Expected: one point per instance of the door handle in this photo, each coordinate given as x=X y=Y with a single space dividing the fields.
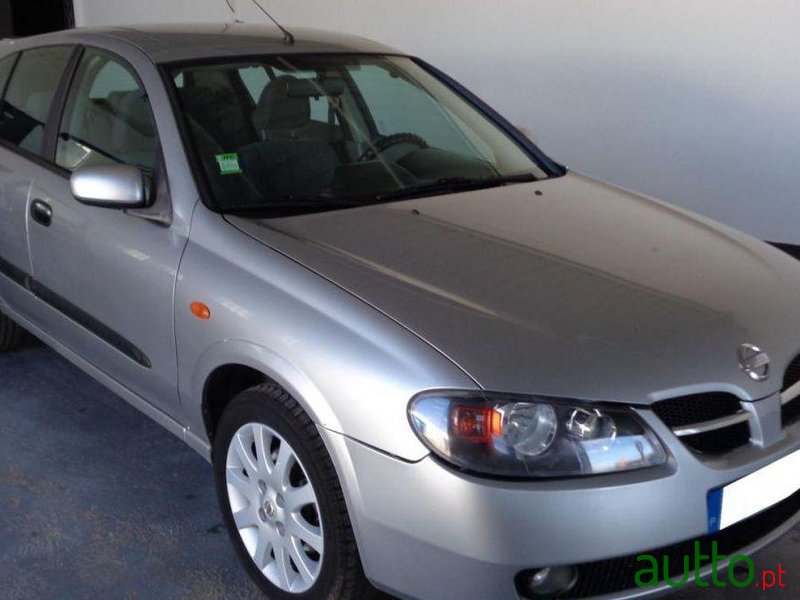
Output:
x=41 y=212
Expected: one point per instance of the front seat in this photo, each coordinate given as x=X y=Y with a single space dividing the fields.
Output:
x=286 y=162
x=211 y=100
x=279 y=114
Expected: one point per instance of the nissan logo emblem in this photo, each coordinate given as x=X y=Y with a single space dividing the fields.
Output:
x=753 y=361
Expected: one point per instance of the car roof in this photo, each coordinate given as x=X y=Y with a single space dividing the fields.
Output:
x=169 y=43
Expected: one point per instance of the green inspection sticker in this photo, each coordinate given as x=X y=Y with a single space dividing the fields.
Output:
x=229 y=163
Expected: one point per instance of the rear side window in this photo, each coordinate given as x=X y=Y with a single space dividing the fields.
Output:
x=30 y=95
x=107 y=119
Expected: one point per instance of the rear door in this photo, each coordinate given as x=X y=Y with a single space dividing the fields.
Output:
x=107 y=275
x=28 y=85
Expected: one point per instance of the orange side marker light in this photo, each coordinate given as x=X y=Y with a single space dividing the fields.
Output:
x=200 y=310
x=477 y=424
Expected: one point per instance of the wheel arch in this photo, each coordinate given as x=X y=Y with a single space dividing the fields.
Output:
x=230 y=367
x=222 y=386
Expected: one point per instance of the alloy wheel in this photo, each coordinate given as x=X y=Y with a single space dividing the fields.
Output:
x=274 y=507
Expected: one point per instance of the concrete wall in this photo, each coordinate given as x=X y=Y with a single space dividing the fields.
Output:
x=696 y=102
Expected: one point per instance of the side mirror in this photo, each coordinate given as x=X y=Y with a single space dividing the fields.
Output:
x=110 y=186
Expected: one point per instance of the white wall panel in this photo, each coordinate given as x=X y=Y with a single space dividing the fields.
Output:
x=695 y=102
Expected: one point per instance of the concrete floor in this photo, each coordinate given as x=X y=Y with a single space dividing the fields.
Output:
x=96 y=501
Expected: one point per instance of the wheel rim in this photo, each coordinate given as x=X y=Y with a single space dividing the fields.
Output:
x=274 y=507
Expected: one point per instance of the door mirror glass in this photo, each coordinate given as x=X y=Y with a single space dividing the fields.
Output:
x=110 y=186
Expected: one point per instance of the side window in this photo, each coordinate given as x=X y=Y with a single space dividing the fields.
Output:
x=107 y=119
x=30 y=95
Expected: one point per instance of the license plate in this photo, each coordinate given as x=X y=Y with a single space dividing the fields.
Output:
x=753 y=493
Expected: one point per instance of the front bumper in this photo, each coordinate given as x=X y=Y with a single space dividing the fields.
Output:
x=426 y=532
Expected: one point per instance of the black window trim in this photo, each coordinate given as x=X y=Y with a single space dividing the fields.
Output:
x=166 y=68
x=59 y=106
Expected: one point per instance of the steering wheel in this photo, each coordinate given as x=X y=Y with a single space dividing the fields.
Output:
x=382 y=144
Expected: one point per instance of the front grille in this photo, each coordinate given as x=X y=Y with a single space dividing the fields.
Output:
x=701 y=408
x=720 y=440
x=617 y=574
x=792 y=374
x=790 y=413
x=698 y=408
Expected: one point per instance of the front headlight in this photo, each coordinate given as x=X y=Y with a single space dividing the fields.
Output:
x=534 y=437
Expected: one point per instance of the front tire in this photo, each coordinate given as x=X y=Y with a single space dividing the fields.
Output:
x=10 y=334
x=282 y=502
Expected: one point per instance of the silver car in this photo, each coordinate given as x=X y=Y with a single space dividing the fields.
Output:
x=422 y=356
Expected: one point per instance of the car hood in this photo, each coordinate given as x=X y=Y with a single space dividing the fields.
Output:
x=566 y=287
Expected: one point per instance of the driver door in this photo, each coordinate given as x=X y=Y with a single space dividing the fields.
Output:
x=106 y=275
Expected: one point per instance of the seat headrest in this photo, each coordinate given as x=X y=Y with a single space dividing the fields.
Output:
x=278 y=109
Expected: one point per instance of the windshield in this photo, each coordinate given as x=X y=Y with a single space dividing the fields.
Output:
x=284 y=135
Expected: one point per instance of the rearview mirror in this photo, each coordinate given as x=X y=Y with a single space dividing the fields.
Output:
x=306 y=88
x=110 y=186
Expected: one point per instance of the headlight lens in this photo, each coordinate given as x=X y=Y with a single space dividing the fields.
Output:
x=533 y=437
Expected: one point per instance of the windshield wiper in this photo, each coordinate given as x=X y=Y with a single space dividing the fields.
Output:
x=452 y=185
x=289 y=205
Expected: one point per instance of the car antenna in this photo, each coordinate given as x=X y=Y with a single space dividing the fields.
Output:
x=233 y=12
x=288 y=38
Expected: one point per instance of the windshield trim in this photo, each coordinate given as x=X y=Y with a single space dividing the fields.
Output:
x=431 y=190
x=548 y=165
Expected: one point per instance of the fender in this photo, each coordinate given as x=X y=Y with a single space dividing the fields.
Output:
x=272 y=365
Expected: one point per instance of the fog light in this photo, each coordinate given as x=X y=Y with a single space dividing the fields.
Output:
x=549 y=582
